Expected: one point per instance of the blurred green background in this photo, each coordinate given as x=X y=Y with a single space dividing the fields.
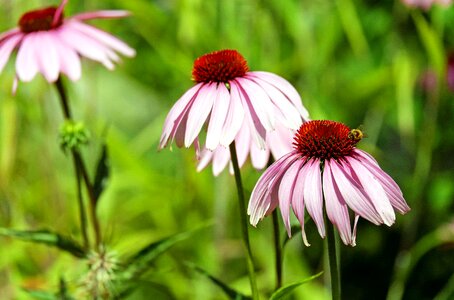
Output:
x=357 y=62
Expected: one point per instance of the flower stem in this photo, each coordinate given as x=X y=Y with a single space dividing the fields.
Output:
x=243 y=221
x=82 y=215
x=333 y=262
x=278 y=250
x=80 y=168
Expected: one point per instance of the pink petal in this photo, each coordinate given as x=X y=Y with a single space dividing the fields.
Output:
x=285 y=87
x=204 y=159
x=260 y=201
x=285 y=195
x=221 y=157
x=353 y=194
x=258 y=101
x=313 y=195
x=101 y=14
x=259 y=157
x=26 y=63
x=68 y=58
x=218 y=116
x=6 y=48
x=258 y=132
x=280 y=141
x=374 y=190
x=46 y=55
x=85 y=45
x=336 y=208
x=174 y=117
x=390 y=186
x=298 y=201
x=355 y=223
x=243 y=144
x=234 y=118
x=7 y=34
x=288 y=113
x=103 y=37
x=199 y=112
x=59 y=12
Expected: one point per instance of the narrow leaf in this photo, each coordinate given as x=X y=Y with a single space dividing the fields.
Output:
x=102 y=173
x=46 y=237
x=140 y=262
x=286 y=290
x=230 y=292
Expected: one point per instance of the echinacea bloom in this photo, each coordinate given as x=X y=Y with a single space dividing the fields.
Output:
x=236 y=104
x=325 y=169
x=50 y=44
x=426 y=4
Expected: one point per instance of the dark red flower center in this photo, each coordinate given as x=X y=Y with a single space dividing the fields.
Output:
x=326 y=139
x=39 y=20
x=219 y=66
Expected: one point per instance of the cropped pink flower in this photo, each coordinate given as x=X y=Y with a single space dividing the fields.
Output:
x=325 y=169
x=49 y=44
x=426 y=4
x=236 y=105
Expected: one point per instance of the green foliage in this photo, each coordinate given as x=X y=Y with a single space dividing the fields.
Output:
x=288 y=289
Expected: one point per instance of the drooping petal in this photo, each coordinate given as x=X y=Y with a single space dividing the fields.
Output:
x=68 y=58
x=298 y=201
x=258 y=101
x=259 y=202
x=259 y=157
x=218 y=116
x=101 y=14
x=243 y=144
x=285 y=87
x=234 y=118
x=103 y=37
x=313 y=194
x=47 y=56
x=336 y=208
x=221 y=157
x=85 y=45
x=280 y=141
x=390 y=186
x=7 y=34
x=288 y=113
x=174 y=117
x=374 y=190
x=355 y=223
x=26 y=64
x=353 y=194
x=6 y=48
x=199 y=112
x=286 y=187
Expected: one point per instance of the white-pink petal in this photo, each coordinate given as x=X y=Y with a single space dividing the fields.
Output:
x=336 y=208
x=234 y=118
x=101 y=14
x=311 y=179
x=7 y=46
x=199 y=112
x=26 y=64
x=47 y=56
x=218 y=116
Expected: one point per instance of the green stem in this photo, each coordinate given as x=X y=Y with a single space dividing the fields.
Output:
x=333 y=262
x=82 y=215
x=243 y=221
x=278 y=249
x=80 y=168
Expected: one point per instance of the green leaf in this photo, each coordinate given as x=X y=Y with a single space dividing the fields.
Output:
x=286 y=290
x=102 y=173
x=46 y=237
x=230 y=292
x=140 y=262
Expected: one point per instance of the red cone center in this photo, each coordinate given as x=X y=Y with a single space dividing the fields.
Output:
x=39 y=20
x=325 y=139
x=219 y=66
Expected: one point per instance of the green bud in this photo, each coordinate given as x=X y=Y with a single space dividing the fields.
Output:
x=73 y=135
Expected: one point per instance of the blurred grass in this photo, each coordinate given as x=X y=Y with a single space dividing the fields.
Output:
x=358 y=62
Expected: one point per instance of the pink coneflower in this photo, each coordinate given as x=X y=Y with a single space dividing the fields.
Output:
x=426 y=4
x=49 y=44
x=325 y=167
x=228 y=97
